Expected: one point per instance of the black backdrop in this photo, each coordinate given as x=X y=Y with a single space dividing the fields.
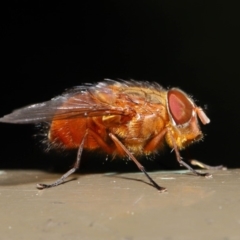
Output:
x=48 y=47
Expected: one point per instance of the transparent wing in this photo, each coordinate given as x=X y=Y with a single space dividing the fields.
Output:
x=90 y=102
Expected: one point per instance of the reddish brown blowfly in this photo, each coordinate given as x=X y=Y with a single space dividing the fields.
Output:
x=125 y=118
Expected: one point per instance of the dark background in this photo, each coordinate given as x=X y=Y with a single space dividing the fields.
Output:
x=48 y=47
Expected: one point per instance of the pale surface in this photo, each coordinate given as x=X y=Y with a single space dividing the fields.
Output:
x=120 y=206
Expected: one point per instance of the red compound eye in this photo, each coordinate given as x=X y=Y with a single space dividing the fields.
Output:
x=180 y=106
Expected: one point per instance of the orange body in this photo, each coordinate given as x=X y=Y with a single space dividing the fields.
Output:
x=142 y=126
x=119 y=117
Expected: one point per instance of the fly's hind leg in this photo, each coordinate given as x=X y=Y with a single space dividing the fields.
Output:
x=122 y=148
x=72 y=170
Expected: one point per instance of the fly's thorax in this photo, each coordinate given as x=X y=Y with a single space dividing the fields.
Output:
x=142 y=128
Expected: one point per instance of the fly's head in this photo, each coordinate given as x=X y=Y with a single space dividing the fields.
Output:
x=183 y=119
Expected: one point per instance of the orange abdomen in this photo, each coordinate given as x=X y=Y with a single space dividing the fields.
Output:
x=68 y=133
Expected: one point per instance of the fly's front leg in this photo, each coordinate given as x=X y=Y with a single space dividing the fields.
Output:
x=195 y=162
x=182 y=163
x=71 y=171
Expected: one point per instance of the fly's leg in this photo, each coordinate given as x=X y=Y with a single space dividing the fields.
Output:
x=121 y=148
x=195 y=162
x=182 y=163
x=67 y=174
x=152 y=145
